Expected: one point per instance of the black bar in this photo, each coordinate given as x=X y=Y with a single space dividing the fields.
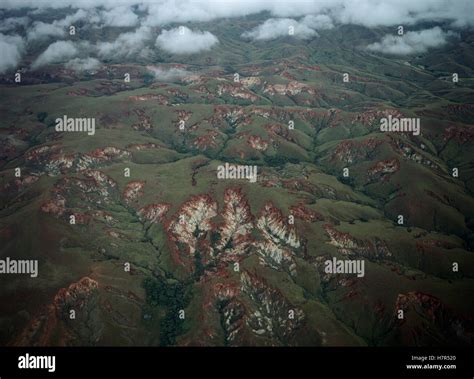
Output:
x=318 y=362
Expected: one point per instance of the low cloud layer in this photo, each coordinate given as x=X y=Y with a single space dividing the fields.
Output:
x=126 y=44
x=11 y=48
x=411 y=42
x=146 y=18
x=183 y=40
x=318 y=22
x=168 y=74
x=282 y=27
x=121 y=16
x=362 y=12
x=57 y=52
x=41 y=31
x=12 y=23
x=85 y=64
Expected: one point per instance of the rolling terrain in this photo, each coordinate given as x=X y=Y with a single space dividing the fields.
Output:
x=163 y=252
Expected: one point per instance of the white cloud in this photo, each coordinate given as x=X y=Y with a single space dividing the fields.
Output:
x=164 y=12
x=126 y=45
x=73 y=18
x=12 y=23
x=372 y=13
x=11 y=48
x=363 y=12
x=57 y=28
x=411 y=42
x=119 y=16
x=185 y=41
x=280 y=27
x=307 y=17
x=168 y=74
x=57 y=52
x=84 y=64
x=41 y=30
x=318 y=22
